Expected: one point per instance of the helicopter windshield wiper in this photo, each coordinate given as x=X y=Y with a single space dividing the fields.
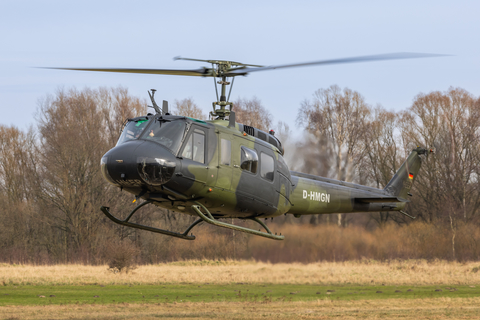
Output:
x=161 y=119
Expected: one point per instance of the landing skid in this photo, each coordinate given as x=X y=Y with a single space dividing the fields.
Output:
x=125 y=222
x=210 y=219
x=203 y=218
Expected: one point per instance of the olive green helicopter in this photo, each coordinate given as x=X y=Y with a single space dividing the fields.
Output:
x=218 y=168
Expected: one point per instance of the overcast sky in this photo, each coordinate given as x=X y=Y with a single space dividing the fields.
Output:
x=148 y=34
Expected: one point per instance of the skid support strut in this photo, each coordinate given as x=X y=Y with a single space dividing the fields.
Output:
x=210 y=219
x=126 y=223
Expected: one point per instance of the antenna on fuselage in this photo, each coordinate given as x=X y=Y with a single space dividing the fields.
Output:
x=231 y=120
x=155 y=106
x=165 y=107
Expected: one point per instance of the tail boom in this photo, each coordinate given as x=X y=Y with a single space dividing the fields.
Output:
x=316 y=195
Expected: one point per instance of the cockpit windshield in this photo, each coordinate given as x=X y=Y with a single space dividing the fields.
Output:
x=133 y=129
x=166 y=133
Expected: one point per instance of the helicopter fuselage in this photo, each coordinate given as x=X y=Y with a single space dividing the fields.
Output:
x=175 y=162
x=223 y=169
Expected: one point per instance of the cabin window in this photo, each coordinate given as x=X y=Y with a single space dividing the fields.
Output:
x=225 y=152
x=195 y=146
x=249 y=160
x=267 y=166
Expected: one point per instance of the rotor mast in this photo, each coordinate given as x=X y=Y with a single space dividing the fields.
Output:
x=223 y=69
x=223 y=102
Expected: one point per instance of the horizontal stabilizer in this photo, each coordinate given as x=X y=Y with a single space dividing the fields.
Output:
x=380 y=199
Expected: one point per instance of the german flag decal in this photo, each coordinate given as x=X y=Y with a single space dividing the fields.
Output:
x=410 y=176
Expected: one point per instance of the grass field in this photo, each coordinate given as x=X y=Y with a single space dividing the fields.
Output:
x=243 y=290
x=443 y=308
x=411 y=272
x=50 y=295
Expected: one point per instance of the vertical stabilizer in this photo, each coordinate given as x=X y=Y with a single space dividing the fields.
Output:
x=403 y=179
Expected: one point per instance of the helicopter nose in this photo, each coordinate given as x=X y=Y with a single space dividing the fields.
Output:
x=156 y=165
x=136 y=163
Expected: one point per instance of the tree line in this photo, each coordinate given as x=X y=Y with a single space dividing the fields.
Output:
x=51 y=187
x=360 y=143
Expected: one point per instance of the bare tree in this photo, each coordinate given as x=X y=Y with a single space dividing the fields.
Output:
x=18 y=228
x=251 y=112
x=188 y=108
x=15 y=152
x=72 y=140
x=383 y=154
x=448 y=186
x=117 y=105
x=51 y=185
x=449 y=121
x=338 y=116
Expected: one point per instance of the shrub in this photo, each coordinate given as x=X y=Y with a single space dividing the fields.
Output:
x=121 y=256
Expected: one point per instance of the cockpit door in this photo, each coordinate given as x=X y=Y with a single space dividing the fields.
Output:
x=193 y=153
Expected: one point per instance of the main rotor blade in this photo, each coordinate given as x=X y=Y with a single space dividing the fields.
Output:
x=202 y=72
x=378 y=57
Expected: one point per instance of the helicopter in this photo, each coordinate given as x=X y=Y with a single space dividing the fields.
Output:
x=218 y=168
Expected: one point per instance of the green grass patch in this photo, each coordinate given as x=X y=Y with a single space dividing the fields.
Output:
x=178 y=293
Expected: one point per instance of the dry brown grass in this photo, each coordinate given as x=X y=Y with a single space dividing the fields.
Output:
x=411 y=272
x=306 y=243
x=303 y=243
x=440 y=308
